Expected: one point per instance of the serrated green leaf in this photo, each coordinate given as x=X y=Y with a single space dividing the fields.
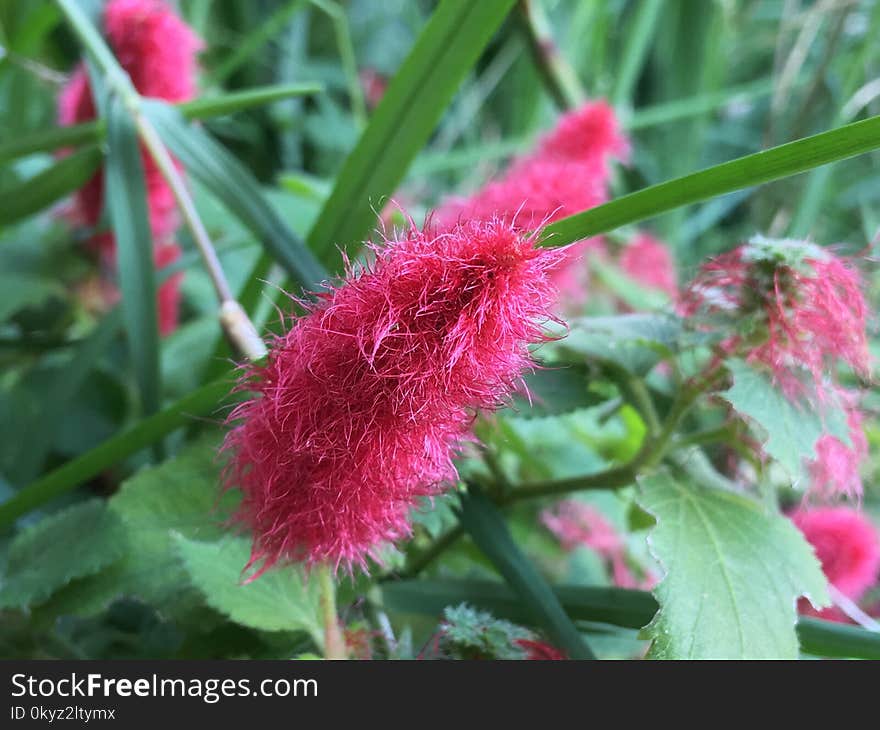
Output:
x=76 y=542
x=636 y=342
x=237 y=189
x=178 y=496
x=126 y=200
x=446 y=49
x=281 y=599
x=734 y=574
x=788 y=430
x=38 y=192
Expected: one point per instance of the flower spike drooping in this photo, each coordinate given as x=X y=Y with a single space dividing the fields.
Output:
x=361 y=406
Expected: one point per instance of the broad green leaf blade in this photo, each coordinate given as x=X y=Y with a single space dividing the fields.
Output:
x=74 y=543
x=179 y=496
x=616 y=606
x=635 y=342
x=482 y=521
x=755 y=169
x=126 y=201
x=554 y=390
x=734 y=572
x=444 y=52
x=40 y=430
x=281 y=599
x=201 y=108
x=201 y=402
x=787 y=430
x=64 y=177
x=236 y=188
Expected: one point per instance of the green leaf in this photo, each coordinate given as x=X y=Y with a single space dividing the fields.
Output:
x=616 y=606
x=201 y=402
x=734 y=574
x=482 y=521
x=76 y=542
x=64 y=177
x=787 y=430
x=236 y=188
x=636 y=342
x=554 y=390
x=444 y=52
x=281 y=599
x=755 y=169
x=179 y=496
x=126 y=200
x=19 y=291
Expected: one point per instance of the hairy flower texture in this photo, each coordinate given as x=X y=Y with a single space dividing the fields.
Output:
x=590 y=134
x=649 y=262
x=848 y=547
x=835 y=470
x=810 y=302
x=361 y=406
x=158 y=51
x=566 y=174
x=575 y=524
x=168 y=295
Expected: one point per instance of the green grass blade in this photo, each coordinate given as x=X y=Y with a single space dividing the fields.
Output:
x=145 y=433
x=638 y=42
x=744 y=172
x=616 y=606
x=444 y=52
x=43 y=189
x=126 y=201
x=251 y=43
x=237 y=189
x=482 y=521
x=201 y=108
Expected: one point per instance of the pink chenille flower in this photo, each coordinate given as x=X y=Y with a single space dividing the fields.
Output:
x=848 y=547
x=158 y=51
x=575 y=524
x=813 y=308
x=590 y=134
x=649 y=262
x=168 y=295
x=835 y=470
x=362 y=404
x=566 y=174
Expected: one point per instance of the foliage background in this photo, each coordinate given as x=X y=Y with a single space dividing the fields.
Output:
x=695 y=83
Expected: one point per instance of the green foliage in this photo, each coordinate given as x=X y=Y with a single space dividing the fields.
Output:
x=470 y=634
x=787 y=429
x=76 y=542
x=281 y=599
x=734 y=572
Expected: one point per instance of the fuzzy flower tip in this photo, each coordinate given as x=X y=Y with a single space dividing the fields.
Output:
x=835 y=470
x=649 y=262
x=361 y=406
x=846 y=544
x=809 y=301
x=589 y=134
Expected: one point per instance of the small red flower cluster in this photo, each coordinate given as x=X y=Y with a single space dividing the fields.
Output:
x=567 y=173
x=577 y=524
x=158 y=51
x=362 y=405
x=848 y=546
x=811 y=307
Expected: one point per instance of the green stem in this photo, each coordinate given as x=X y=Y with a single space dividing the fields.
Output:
x=560 y=78
x=421 y=560
x=334 y=642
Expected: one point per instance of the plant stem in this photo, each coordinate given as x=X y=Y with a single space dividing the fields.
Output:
x=424 y=558
x=235 y=322
x=334 y=642
x=561 y=80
